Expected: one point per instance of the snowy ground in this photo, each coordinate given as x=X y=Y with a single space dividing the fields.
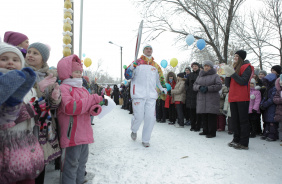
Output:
x=176 y=156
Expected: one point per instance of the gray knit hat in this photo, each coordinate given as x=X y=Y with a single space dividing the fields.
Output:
x=209 y=63
x=263 y=72
x=4 y=47
x=43 y=49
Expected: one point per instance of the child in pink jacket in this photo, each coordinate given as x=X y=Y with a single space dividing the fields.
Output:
x=254 y=112
x=74 y=119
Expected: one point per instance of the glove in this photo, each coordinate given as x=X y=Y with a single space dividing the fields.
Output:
x=252 y=97
x=228 y=70
x=169 y=93
x=164 y=91
x=262 y=107
x=47 y=81
x=133 y=66
x=254 y=111
x=56 y=92
x=203 y=89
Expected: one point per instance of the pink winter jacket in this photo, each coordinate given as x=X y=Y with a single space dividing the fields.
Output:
x=75 y=109
x=254 y=103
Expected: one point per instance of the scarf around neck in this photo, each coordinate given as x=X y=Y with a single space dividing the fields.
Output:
x=74 y=82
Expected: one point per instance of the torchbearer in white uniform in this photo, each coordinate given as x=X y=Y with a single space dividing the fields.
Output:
x=146 y=75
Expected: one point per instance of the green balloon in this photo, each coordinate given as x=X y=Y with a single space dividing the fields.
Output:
x=124 y=66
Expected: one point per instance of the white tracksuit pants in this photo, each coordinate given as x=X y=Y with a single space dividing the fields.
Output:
x=144 y=109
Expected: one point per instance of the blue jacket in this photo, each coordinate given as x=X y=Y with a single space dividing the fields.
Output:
x=267 y=101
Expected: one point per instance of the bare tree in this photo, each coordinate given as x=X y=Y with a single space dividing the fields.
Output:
x=273 y=15
x=254 y=32
x=212 y=20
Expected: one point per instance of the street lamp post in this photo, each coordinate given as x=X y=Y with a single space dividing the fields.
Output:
x=120 y=59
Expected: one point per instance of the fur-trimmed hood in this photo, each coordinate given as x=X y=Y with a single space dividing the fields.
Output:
x=171 y=74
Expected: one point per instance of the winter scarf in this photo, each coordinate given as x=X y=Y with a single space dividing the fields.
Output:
x=150 y=61
x=74 y=82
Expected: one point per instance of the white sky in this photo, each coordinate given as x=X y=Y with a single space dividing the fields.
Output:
x=104 y=21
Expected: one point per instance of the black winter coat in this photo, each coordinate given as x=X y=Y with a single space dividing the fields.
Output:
x=191 y=95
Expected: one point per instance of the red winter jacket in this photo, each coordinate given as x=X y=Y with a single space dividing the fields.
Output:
x=239 y=90
x=108 y=91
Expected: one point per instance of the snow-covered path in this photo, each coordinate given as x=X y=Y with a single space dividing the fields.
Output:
x=176 y=156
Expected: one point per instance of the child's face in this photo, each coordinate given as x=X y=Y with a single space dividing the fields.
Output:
x=261 y=75
x=24 y=44
x=252 y=85
x=76 y=74
x=34 y=58
x=195 y=67
x=273 y=71
x=10 y=61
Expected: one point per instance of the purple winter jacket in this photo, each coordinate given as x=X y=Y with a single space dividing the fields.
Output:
x=254 y=103
x=277 y=99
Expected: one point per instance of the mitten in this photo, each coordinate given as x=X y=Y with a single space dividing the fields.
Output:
x=252 y=96
x=9 y=83
x=95 y=110
x=56 y=92
x=18 y=95
x=262 y=107
x=254 y=111
x=228 y=70
x=47 y=81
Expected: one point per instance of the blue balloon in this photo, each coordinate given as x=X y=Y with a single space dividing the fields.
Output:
x=164 y=63
x=201 y=44
x=168 y=86
x=83 y=54
x=190 y=39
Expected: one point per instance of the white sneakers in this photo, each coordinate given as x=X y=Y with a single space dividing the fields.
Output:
x=133 y=136
x=146 y=144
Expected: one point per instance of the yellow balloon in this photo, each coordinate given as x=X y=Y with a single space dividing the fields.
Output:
x=66 y=51
x=67 y=15
x=173 y=62
x=67 y=27
x=87 y=62
x=67 y=39
x=67 y=4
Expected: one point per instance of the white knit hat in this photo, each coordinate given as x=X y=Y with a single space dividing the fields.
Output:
x=4 y=47
x=147 y=45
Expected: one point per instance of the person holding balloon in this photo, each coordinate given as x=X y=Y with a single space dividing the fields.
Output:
x=145 y=75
